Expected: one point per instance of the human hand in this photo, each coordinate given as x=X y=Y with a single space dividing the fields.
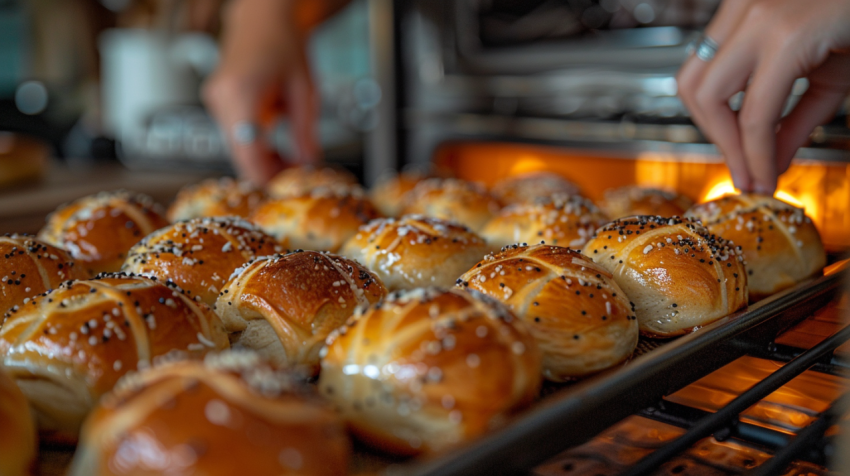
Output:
x=264 y=71
x=765 y=45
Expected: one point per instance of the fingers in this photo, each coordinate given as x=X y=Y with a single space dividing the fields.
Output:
x=828 y=87
x=231 y=102
x=304 y=116
x=717 y=120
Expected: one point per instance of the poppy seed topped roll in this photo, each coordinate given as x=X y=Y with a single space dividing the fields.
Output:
x=781 y=244
x=199 y=255
x=679 y=275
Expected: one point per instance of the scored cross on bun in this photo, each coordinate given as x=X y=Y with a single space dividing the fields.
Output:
x=679 y=275
x=199 y=255
x=415 y=251
x=98 y=230
x=322 y=219
x=780 y=243
x=561 y=220
x=68 y=347
x=216 y=197
x=31 y=267
x=428 y=369
x=580 y=317
x=466 y=203
x=284 y=306
x=229 y=414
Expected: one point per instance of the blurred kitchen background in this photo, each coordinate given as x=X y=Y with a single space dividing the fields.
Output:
x=90 y=89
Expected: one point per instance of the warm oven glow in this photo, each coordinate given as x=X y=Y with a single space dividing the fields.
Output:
x=822 y=189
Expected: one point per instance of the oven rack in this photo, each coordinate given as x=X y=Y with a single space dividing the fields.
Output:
x=574 y=414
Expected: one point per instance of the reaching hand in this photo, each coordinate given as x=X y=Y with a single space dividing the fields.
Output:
x=263 y=71
x=764 y=46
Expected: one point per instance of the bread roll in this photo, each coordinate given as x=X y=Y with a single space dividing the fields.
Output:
x=17 y=432
x=581 y=319
x=635 y=200
x=388 y=194
x=231 y=414
x=301 y=180
x=319 y=220
x=284 y=306
x=199 y=255
x=98 y=230
x=415 y=251
x=31 y=267
x=68 y=347
x=215 y=198
x=560 y=220
x=427 y=369
x=780 y=243
x=526 y=188
x=462 y=202
x=678 y=275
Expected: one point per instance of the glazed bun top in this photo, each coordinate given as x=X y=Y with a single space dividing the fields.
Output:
x=388 y=194
x=635 y=200
x=199 y=255
x=229 y=414
x=215 y=197
x=98 y=230
x=462 y=202
x=560 y=220
x=678 y=274
x=780 y=243
x=301 y=180
x=31 y=267
x=415 y=251
x=427 y=369
x=284 y=306
x=528 y=187
x=321 y=220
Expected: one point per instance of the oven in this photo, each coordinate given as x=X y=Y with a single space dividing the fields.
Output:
x=758 y=392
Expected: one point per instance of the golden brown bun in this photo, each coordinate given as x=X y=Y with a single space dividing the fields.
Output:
x=231 y=414
x=302 y=180
x=284 y=306
x=199 y=255
x=388 y=194
x=98 y=230
x=635 y=200
x=678 y=275
x=456 y=200
x=415 y=251
x=427 y=369
x=31 y=267
x=581 y=319
x=68 y=347
x=17 y=432
x=780 y=243
x=215 y=198
x=528 y=187
x=561 y=220
x=319 y=220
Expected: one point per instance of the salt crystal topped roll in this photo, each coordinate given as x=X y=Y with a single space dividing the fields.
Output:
x=415 y=251
x=466 y=203
x=215 y=198
x=428 y=369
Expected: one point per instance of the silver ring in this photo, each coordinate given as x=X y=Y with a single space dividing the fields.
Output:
x=691 y=48
x=707 y=49
x=245 y=132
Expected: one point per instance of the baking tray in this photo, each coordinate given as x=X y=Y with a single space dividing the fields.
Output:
x=568 y=415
